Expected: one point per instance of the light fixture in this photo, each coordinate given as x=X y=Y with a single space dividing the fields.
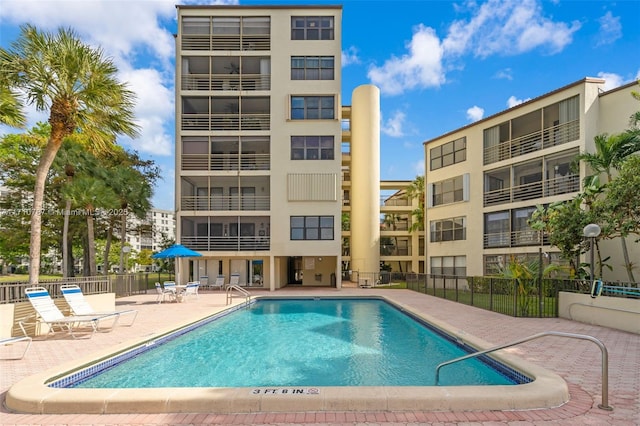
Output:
x=591 y=231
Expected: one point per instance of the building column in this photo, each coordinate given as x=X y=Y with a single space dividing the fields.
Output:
x=365 y=179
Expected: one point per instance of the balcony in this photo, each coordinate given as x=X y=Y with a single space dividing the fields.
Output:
x=527 y=237
x=218 y=122
x=220 y=82
x=535 y=141
x=225 y=203
x=546 y=188
x=206 y=243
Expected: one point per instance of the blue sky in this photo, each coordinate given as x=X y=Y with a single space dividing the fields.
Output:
x=439 y=64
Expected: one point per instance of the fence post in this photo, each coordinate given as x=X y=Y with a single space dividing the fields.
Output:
x=472 y=290
x=515 y=298
x=491 y=294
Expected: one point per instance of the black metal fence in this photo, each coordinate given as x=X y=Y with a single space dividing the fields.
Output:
x=516 y=297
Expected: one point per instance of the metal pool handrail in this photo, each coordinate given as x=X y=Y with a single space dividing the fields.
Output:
x=605 y=359
x=242 y=291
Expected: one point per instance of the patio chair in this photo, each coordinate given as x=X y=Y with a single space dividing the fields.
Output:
x=218 y=283
x=10 y=341
x=48 y=313
x=170 y=286
x=79 y=306
x=190 y=290
x=162 y=293
x=234 y=279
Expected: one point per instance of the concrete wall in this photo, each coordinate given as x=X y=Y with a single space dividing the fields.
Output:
x=12 y=313
x=614 y=312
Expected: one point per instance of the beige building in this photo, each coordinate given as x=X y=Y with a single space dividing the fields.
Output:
x=258 y=133
x=484 y=180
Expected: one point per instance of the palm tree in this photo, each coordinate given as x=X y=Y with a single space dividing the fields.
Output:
x=610 y=154
x=77 y=84
x=10 y=112
x=89 y=193
x=416 y=190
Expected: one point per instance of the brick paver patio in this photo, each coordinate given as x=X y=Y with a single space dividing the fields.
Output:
x=577 y=361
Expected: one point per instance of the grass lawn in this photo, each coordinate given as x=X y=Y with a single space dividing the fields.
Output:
x=24 y=277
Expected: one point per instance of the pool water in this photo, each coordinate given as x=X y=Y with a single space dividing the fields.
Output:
x=302 y=342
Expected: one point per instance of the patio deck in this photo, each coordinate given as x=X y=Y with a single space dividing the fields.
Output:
x=578 y=362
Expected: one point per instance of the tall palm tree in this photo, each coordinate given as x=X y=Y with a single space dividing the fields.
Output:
x=77 y=84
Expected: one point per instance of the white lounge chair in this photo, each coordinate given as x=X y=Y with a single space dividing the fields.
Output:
x=190 y=290
x=48 y=313
x=162 y=293
x=234 y=279
x=10 y=341
x=79 y=306
x=218 y=283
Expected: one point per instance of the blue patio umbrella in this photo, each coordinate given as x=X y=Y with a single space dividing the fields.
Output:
x=175 y=251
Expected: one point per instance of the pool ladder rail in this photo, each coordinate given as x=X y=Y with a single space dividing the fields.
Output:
x=236 y=288
x=605 y=359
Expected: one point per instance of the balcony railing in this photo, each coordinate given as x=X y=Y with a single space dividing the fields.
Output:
x=225 y=203
x=225 y=42
x=226 y=162
x=546 y=188
x=527 y=237
x=220 y=82
x=206 y=243
x=209 y=122
x=552 y=136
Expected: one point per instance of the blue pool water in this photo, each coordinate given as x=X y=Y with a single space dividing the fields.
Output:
x=301 y=342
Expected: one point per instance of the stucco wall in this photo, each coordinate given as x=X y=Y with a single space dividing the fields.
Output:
x=614 y=312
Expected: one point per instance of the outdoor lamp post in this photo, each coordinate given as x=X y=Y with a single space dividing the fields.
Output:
x=591 y=231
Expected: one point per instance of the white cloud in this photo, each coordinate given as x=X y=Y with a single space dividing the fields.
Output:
x=350 y=56
x=393 y=126
x=419 y=168
x=504 y=74
x=154 y=108
x=496 y=27
x=507 y=27
x=421 y=67
x=610 y=29
x=611 y=80
x=513 y=101
x=475 y=113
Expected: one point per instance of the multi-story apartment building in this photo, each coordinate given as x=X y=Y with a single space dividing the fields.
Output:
x=258 y=130
x=484 y=180
x=153 y=231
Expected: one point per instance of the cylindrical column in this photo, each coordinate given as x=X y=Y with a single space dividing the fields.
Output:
x=365 y=179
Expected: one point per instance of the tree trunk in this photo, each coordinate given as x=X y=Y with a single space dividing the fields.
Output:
x=123 y=240
x=65 y=239
x=35 y=241
x=627 y=263
x=91 y=244
x=107 y=246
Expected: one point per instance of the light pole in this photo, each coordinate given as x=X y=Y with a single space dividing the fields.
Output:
x=591 y=231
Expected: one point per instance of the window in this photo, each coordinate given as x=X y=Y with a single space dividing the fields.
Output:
x=497 y=227
x=452 y=229
x=449 y=265
x=312 y=28
x=312 y=108
x=312 y=147
x=312 y=67
x=448 y=191
x=312 y=227
x=448 y=153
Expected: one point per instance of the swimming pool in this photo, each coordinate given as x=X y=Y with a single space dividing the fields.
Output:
x=302 y=342
x=38 y=394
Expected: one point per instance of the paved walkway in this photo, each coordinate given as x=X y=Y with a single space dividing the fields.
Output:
x=577 y=361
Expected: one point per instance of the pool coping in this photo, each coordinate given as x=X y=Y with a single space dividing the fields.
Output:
x=32 y=395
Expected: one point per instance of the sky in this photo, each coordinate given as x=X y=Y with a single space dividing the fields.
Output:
x=440 y=65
